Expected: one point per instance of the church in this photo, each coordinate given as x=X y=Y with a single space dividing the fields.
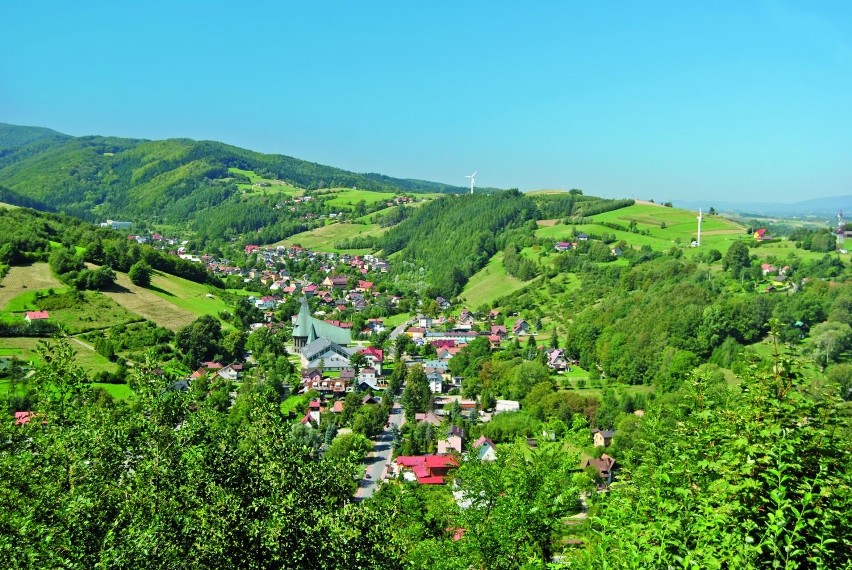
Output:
x=308 y=329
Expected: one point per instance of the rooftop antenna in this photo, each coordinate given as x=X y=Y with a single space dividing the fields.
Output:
x=700 y=217
x=471 y=180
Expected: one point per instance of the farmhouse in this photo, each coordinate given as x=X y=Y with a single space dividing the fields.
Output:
x=36 y=316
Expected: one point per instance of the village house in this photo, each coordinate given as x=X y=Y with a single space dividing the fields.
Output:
x=425 y=469
x=602 y=438
x=604 y=467
x=453 y=442
x=485 y=449
x=521 y=327
x=36 y=316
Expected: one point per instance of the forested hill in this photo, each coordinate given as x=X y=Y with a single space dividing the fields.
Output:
x=453 y=237
x=95 y=177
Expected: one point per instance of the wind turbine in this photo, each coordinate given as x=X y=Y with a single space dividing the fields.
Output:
x=471 y=180
x=700 y=217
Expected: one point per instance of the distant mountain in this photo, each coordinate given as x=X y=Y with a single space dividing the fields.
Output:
x=826 y=206
x=175 y=180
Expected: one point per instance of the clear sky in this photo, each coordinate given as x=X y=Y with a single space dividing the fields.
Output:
x=736 y=100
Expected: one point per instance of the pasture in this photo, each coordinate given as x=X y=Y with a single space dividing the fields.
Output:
x=148 y=304
x=325 y=238
x=25 y=350
x=75 y=312
x=665 y=227
x=260 y=184
x=347 y=198
x=490 y=283
x=26 y=279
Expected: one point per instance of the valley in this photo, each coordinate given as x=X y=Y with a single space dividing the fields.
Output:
x=553 y=369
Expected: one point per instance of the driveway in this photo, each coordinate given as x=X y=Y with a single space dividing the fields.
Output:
x=379 y=459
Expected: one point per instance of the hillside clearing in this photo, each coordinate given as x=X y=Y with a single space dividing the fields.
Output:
x=490 y=283
x=148 y=304
x=325 y=238
x=25 y=350
x=26 y=278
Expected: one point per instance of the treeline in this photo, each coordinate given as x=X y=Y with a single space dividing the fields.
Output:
x=452 y=238
x=517 y=265
x=26 y=236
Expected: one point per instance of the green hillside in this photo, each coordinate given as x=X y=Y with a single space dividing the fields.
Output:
x=169 y=181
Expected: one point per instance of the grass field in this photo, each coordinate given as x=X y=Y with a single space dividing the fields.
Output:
x=75 y=314
x=150 y=305
x=324 y=238
x=24 y=348
x=490 y=283
x=396 y=320
x=680 y=228
x=270 y=185
x=347 y=198
x=26 y=279
x=187 y=295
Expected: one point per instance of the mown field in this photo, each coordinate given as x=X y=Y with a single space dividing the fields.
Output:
x=269 y=185
x=149 y=304
x=25 y=350
x=490 y=283
x=23 y=279
x=325 y=238
x=666 y=227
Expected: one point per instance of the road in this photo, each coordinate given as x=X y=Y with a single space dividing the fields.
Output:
x=379 y=459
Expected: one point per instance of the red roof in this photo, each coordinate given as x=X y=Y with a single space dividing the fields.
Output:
x=22 y=418
x=36 y=315
x=440 y=461
x=337 y=408
x=376 y=353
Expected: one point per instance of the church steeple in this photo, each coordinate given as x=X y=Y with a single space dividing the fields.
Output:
x=304 y=328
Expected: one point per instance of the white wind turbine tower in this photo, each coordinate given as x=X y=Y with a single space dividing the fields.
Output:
x=700 y=217
x=471 y=180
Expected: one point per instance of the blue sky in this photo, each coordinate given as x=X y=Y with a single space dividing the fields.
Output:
x=734 y=100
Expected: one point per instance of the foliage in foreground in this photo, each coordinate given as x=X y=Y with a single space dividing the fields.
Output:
x=167 y=481
x=755 y=477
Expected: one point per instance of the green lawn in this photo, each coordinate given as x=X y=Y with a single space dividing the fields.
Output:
x=490 y=283
x=396 y=320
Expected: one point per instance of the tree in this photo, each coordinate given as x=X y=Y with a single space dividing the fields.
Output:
x=829 y=340
x=756 y=476
x=358 y=361
x=140 y=274
x=736 y=259
x=416 y=396
x=515 y=505
x=199 y=340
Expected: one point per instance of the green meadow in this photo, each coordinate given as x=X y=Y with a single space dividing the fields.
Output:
x=25 y=350
x=265 y=184
x=325 y=238
x=490 y=283
x=188 y=295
